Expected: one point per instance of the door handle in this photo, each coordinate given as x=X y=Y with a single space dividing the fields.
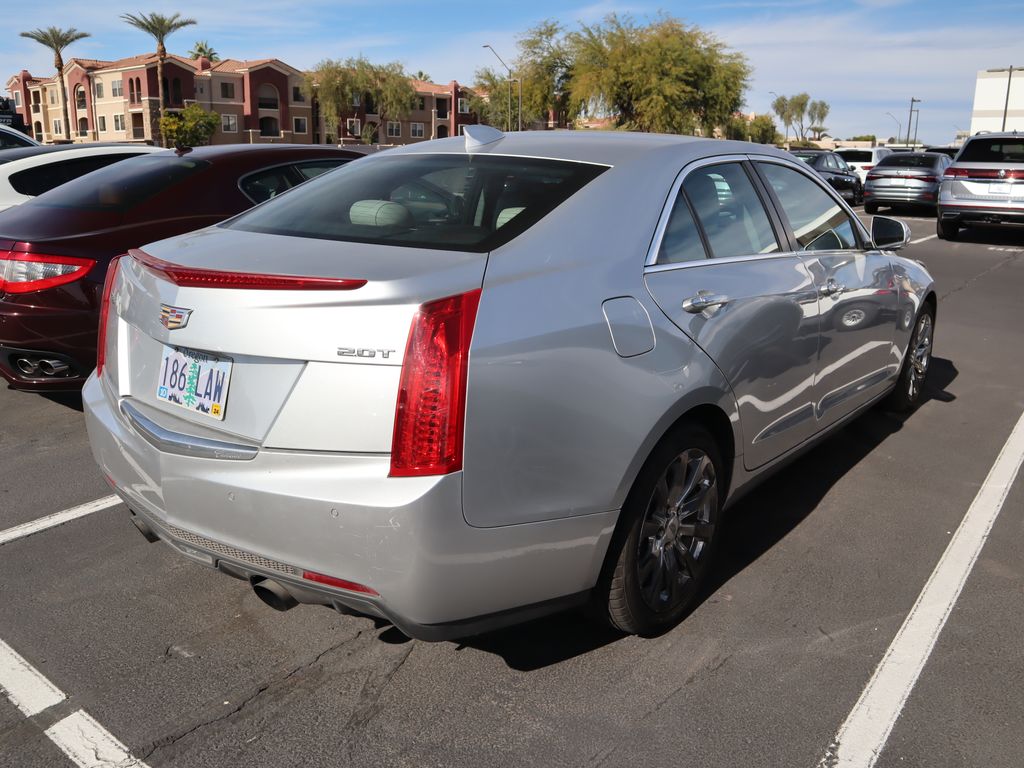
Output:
x=703 y=300
x=832 y=288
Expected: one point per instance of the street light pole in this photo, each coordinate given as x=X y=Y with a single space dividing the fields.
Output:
x=1009 y=81
x=520 y=80
x=899 y=125
x=910 y=117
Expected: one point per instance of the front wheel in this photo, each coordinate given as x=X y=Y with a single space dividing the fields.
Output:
x=871 y=208
x=916 y=362
x=660 y=555
x=947 y=230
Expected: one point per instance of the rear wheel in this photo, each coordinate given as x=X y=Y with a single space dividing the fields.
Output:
x=916 y=363
x=871 y=208
x=947 y=230
x=660 y=555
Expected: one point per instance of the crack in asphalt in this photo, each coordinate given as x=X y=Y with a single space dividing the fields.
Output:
x=970 y=281
x=369 y=695
x=173 y=738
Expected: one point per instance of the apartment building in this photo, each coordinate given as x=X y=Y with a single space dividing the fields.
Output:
x=258 y=101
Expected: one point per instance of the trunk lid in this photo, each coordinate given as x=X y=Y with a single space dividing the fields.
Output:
x=309 y=369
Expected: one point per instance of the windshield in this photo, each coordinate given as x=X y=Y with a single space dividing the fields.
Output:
x=447 y=201
x=993 y=151
x=809 y=159
x=123 y=185
x=909 y=161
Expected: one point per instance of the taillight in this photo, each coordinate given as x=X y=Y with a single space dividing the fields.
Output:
x=952 y=173
x=866 y=167
x=101 y=337
x=872 y=176
x=431 y=410
x=927 y=178
x=195 y=277
x=23 y=272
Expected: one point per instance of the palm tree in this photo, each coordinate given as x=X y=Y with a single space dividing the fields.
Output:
x=158 y=27
x=57 y=40
x=421 y=75
x=204 y=49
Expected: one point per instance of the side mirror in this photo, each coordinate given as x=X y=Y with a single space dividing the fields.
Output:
x=891 y=234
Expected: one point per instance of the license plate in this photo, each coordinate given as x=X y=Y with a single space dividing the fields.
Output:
x=194 y=380
x=999 y=189
x=899 y=182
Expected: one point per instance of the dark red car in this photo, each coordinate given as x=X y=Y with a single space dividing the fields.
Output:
x=54 y=249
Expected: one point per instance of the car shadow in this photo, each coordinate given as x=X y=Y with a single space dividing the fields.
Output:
x=747 y=534
x=72 y=400
x=985 y=234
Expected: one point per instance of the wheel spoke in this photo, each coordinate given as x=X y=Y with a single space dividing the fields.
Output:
x=698 y=529
x=686 y=559
x=674 y=477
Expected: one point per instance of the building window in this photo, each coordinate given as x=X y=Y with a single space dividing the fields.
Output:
x=138 y=90
x=297 y=94
x=58 y=129
x=355 y=99
x=416 y=130
x=131 y=91
x=463 y=106
x=53 y=97
x=352 y=127
x=269 y=127
x=462 y=130
x=83 y=127
x=80 y=98
x=229 y=124
x=394 y=129
x=176 y=91
x=98 y=87
x=421 y=103
x=117 y=89
x=202 y=88
x=101 y=121
x=298 y=125
x=227 y=90
x=118 y=122
x=17 y=98
x=266 y=97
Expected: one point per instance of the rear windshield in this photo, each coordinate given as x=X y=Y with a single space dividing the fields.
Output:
x=807 y=158
x=855 y=156
x=992 y=151
x=909 y=161
x=451 y=202
x=123 y=185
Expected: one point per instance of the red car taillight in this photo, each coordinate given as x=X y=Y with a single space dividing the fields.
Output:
x=196 y=277
x=874 y=176
x=334 y=581
x=101 y=337
x=23 y=272
x=927 y=178
x=866 y=167
x=952 y=173
x=431 y=410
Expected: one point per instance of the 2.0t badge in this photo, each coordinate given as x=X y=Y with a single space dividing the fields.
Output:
x=173 y=318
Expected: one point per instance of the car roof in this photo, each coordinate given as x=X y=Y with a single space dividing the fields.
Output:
x=232 y=150
x=69 y=151
x=9 y=155
x=599 y=147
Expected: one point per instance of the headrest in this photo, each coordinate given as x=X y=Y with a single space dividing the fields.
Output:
x=380 y=213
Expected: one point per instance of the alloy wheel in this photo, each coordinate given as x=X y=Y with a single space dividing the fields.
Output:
x=920 y=356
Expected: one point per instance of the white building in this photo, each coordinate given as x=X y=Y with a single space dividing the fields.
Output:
x=990 y=101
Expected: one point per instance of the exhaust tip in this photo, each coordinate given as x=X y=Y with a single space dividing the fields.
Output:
x=26 y=365
x=144 y=529
x=274 y=594
x=53 y=367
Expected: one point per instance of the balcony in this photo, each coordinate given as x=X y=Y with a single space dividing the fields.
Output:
x=138 y=133
x=266 y=103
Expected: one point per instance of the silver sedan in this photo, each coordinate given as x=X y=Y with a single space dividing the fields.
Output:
x=476 y=380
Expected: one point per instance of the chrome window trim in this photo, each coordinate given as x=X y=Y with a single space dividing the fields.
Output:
x=166 y=441
x=651 y=262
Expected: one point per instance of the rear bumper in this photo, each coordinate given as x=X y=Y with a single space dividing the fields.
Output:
x=283 y=512
x=877 y=194
x=993 y=214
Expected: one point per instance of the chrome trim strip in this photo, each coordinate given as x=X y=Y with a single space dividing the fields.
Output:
x=166 y=441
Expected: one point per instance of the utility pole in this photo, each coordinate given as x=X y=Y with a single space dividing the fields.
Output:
x=899 y=125
x=910 y=117
x=1009 y=81
x=520 y=81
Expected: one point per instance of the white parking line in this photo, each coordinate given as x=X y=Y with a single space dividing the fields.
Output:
x=89 y=744
x=27 y=688
x=57 y=518
x=922 y=239
x=860 y=740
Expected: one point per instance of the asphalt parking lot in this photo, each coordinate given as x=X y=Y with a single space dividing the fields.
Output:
x=819 y=569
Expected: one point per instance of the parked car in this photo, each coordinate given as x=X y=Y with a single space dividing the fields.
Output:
x=984 y=185
x=835 y=171
x=12 y=139
x=479 y=379
x=906 y=178
x=862 y=160
x=56 y=248
x=27 y=173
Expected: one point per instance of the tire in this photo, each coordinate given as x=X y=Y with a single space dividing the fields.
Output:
x=871 y=208
x=916 y=363
x=659 y=558
x=947 y=230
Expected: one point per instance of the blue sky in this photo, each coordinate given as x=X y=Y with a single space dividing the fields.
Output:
x=865 y=57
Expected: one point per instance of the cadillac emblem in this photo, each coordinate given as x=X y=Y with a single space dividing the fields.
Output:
x=173 y=318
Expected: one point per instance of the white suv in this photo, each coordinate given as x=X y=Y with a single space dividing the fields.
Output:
x=984 y=185
x=862 y=160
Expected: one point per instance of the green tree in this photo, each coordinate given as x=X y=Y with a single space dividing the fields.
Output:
x=421 y=75
x=57 y=40
x=817 y=113
x=782 y=108
x=867 y=137
x=332 y=84
x=737 y=128
x=665 y=77
x=763 y=130
x=159 y=27
x=798 y=112
x=387 y=87
x=192 y=127
x=204 y=49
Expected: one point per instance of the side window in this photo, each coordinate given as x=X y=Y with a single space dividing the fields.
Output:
x=681 y=241
x=316 y=167
x=814 y=216
x=729 y=210
x=263 y=185
x=830 y=163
